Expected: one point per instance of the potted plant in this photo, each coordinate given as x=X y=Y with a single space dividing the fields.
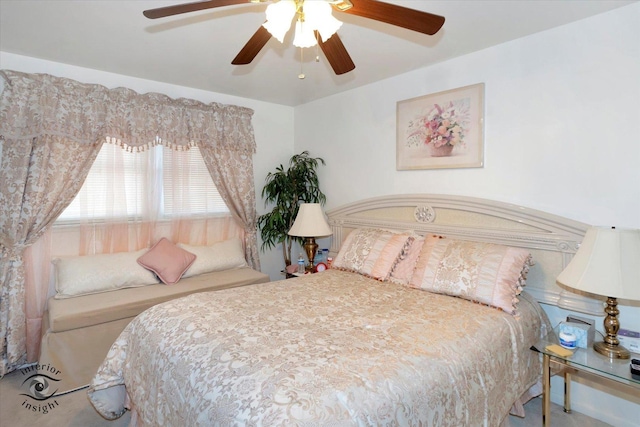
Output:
x=286 y=189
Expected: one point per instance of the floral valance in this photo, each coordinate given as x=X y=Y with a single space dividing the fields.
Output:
x=37 y=104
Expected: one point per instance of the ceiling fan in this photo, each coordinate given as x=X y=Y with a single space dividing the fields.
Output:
x=313 y=27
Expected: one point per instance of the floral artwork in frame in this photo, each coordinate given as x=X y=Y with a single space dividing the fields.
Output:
x=441 y=130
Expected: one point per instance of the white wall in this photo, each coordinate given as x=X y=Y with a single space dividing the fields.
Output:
x=562 y=135
x=273 y=123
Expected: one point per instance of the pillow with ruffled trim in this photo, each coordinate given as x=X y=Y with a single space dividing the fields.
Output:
x=403 y=271
x=486 y=273
x=372 y=252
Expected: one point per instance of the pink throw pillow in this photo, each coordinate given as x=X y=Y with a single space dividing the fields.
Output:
x=167 y=260
x=403 y=271
x=482 y=272
x=372 y=252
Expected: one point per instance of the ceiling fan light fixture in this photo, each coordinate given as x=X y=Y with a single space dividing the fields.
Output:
x=313 y=15
x=318 y=15
x=304 y=35
x=312 y=30
x=279 y=17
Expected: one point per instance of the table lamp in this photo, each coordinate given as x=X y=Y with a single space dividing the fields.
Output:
x=607 y=264
x=310 y=223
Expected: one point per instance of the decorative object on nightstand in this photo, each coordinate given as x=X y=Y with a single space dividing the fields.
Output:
x=320 y=267
x=635 y=369
x=607 y=264
x=310 y=223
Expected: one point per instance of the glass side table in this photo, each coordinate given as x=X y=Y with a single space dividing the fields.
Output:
x=582 y=359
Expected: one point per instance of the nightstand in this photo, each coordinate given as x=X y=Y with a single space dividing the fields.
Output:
x=288 y=275
x=582 y=359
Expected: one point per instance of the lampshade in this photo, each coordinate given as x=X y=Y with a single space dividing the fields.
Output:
x=607 y=264
x=279 y=16
x=318 y=16
x=310 y=222
x=304 y=36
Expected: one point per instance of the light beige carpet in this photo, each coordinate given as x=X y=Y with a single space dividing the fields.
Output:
x=74 y=409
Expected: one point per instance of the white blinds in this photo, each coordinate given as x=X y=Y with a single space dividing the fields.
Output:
x=188 y=187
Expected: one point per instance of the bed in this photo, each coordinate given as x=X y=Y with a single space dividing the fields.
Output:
x=350 y=346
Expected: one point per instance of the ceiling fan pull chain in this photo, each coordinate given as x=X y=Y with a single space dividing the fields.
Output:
x=301 y=75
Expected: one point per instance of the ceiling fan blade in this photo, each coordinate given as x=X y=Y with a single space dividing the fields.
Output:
x=178 y=9
x=411 y=19
x=253 y=47
x=336 y=54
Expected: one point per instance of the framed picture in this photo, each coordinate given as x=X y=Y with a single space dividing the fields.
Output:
x=441 y=130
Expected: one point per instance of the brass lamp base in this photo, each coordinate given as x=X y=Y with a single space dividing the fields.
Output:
x=611 y=347
x=310 y=247
x=612 y=352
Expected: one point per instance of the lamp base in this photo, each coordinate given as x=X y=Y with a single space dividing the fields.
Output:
x=611 y=347
x=611 y=351
x=310 y=247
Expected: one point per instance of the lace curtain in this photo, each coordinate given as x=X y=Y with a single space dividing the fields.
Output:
x=52 y=128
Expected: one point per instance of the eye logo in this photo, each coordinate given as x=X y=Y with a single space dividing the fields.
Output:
x=39 y=387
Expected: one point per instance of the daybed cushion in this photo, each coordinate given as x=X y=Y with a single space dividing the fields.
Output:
x=65 y=314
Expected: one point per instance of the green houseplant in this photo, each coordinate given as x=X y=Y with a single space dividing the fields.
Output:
x=286 y=189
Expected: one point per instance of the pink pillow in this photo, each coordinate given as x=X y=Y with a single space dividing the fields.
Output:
x=168 y=261
x=372 y=252
x=482 y=272
x=403 y=271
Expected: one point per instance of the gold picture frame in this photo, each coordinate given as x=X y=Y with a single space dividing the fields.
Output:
x=441 y=130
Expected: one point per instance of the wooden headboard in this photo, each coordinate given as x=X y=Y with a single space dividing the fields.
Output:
x=552 y=240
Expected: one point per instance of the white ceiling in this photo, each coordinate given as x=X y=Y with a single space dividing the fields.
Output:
x=196 y=49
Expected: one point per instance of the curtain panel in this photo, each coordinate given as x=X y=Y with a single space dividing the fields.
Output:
x=52 y=128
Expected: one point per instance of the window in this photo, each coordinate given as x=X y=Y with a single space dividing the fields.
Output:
x=186 y=170
x=157 y=183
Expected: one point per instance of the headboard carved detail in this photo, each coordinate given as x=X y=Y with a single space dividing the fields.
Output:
x=424 y=213
x=553 y=240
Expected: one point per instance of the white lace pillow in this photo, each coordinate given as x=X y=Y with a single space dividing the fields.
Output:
x=483 y=272
x=92 y=274
x=224 y=255
x=372 y=252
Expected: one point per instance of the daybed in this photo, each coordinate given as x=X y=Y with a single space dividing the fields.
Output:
x=398 y=333
x=78 y=330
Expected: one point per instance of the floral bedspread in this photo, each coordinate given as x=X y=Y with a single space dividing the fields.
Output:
x=329 y=349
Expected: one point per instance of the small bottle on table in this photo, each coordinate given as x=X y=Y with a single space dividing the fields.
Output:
x=300 y=264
